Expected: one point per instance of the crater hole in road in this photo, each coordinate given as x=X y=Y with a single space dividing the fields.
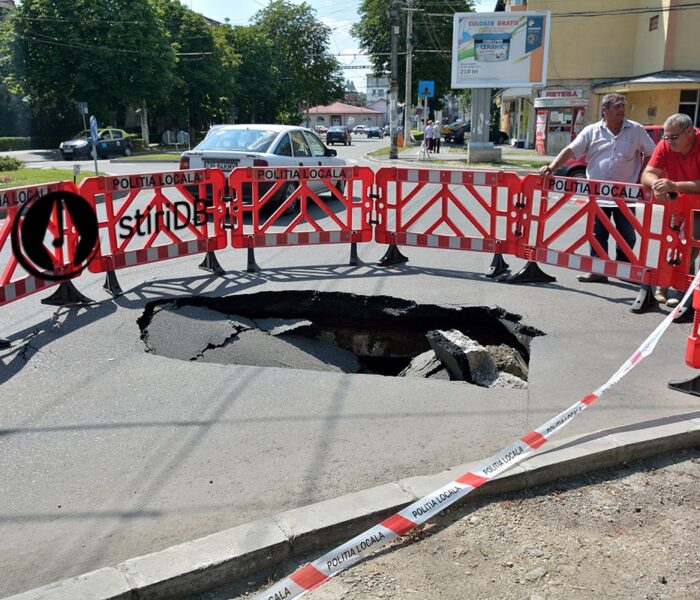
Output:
x=349 y=333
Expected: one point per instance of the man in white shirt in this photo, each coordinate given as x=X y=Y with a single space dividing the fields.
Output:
x=428 y=133
x=617 y=149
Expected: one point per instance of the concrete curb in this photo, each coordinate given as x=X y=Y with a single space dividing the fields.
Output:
x=221 y=558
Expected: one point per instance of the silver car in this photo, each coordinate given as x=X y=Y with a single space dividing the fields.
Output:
x=229 y=146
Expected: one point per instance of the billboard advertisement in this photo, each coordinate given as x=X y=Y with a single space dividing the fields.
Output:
x=504 y=49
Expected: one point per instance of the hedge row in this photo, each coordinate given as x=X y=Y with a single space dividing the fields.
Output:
x=27 y=143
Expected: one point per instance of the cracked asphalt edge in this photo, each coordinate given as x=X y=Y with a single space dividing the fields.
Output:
x=222 y=558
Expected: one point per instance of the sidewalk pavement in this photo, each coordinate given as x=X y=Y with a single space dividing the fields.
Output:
x=449 y=153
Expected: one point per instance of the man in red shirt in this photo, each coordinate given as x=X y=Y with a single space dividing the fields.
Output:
x=674 y=169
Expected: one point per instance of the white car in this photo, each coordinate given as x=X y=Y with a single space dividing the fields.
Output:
x=359 y=129
x=229 y=146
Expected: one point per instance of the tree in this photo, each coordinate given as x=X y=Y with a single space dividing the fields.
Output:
x=432 y=41
x=308 y=73
x=110 y=54
x=258 y=78
x=206 y=69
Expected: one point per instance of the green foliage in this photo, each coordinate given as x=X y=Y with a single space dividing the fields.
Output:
x=430 y=32
x=15 y=143
x=8 y=163
x=306 y=70
x=161 y=57
x=110 y=54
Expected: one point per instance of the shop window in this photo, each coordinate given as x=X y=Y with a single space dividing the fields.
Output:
x=689 y=105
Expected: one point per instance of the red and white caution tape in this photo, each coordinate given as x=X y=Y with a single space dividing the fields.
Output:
x=321 y=570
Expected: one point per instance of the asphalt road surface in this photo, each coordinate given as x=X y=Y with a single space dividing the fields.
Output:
x=108 y=452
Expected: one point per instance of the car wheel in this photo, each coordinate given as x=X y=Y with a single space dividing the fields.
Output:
x=287 y=190
x=127 y=151
x=578 y=173
x=340 y=186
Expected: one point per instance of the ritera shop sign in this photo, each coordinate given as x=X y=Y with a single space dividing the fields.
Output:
x=560 y=97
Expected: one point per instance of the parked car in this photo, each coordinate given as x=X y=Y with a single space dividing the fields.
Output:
x=338 y=134
x=576 y=167
x=375 y=132
x=456 y=134
x=229 y=146
x=110 y=141
x=320 y=129
x=359 y=129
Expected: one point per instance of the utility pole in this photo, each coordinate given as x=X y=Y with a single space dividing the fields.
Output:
x=394 y=19
x=409 y=73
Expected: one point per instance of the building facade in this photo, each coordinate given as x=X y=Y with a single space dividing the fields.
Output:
x=643 y=49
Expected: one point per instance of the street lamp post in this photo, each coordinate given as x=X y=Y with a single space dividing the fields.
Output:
x=394 y=18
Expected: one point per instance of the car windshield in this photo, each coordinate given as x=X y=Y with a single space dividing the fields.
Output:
x=337 y=129
x=251 y=140
x=83 y=135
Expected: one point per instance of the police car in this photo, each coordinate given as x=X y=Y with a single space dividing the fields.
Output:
x=227 y=147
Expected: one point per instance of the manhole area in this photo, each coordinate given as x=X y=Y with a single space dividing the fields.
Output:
x=348 y=333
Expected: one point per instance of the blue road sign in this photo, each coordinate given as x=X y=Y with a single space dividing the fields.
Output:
x=426 y=89
x=93 y=128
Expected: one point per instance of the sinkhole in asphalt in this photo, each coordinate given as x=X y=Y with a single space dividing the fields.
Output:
x=343 y=332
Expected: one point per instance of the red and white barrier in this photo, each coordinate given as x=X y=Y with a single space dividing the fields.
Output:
x=561 y=213
x=15 y=282
x=457 y=210
x=291 y=206
x=156 y=216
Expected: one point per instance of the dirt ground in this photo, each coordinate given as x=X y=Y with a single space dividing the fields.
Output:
x=628 y=533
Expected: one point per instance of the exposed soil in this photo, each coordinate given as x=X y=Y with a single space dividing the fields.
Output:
x=628 y=533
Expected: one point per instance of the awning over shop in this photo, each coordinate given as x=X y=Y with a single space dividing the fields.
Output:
x=517 y=92
x=663 y=79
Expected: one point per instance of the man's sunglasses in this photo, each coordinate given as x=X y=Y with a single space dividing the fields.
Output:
x=674 y=137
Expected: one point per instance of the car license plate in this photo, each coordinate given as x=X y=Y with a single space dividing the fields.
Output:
x=224 y=165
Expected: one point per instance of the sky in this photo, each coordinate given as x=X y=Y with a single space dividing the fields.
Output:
x=339 y=16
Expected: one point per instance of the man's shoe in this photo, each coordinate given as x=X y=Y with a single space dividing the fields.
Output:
x=660 y=297
x=673 y=302
x=592 y=278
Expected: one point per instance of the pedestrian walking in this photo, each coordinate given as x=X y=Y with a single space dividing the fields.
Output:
x=437 y=135
x=673 y=172
x=617 y=149
x=428 y=136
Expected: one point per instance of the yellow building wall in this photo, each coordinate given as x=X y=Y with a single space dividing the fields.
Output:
x=684 y=32
x=650 y=45
x=591 y=47
x=665 y=103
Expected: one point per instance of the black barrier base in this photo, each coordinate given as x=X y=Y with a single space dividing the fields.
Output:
x=66 y=295
x=686 y=312
x=111 y=284
x=211 y=264
x=252 y=265
x=354 y=260
x=4 y=343
x=498 y=266
x=392 y=256
x=530 y=273
x=687 y=386
x=644 y=300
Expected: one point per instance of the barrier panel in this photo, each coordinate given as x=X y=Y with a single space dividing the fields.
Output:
x=15 y=282
x=458 y=210
x=561 y=213
x=295 y=206
x=156 y=216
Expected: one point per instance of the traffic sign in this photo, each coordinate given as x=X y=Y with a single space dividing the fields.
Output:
x=426 y=89
x=93 y=128
x=82 y=108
